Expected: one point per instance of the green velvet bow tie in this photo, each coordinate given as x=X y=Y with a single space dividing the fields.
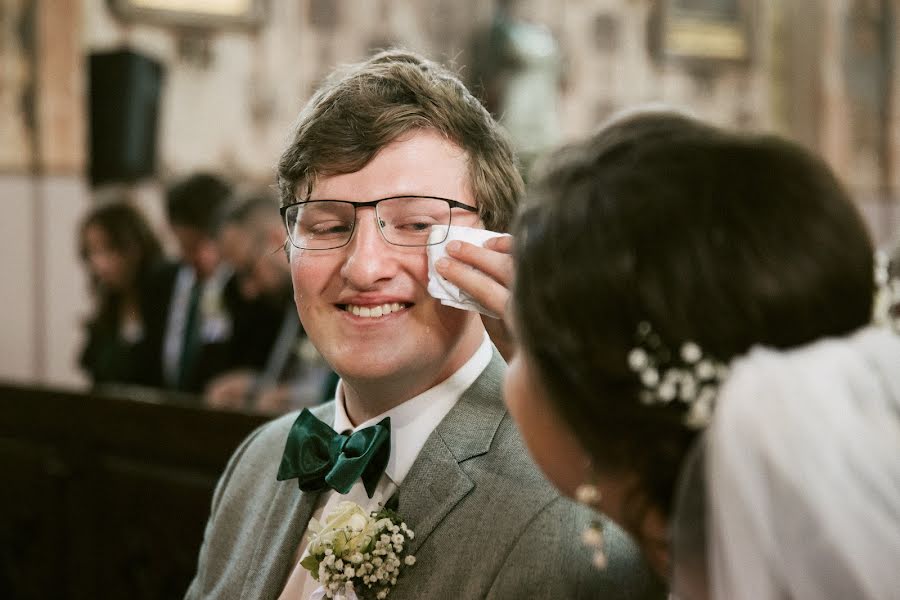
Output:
x=319 y=457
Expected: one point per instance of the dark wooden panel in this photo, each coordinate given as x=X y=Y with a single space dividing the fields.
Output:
x=106 y=496
x=30 y=519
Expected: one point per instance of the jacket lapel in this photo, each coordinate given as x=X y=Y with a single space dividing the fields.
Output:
x=436 y=483
x=279 y=538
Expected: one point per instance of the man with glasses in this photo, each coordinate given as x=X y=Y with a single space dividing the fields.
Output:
x=383 y=152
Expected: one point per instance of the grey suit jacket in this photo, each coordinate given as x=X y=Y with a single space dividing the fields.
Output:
x=486 y=523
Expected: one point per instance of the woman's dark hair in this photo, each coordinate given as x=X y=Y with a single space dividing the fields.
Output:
x=129 y=234
x=722 y=239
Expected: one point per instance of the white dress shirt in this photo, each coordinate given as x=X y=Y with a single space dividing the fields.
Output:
x=411 y=424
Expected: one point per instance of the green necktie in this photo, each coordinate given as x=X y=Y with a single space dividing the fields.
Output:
x=319 y=457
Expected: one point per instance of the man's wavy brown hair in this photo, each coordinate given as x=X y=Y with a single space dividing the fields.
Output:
x=364 y=107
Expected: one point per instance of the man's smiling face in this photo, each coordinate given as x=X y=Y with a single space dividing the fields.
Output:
x=365 y=305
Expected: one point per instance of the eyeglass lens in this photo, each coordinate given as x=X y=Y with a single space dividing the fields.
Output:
x=406 y=221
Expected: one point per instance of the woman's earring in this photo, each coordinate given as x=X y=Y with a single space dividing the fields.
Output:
x=592 y=537
x=588 y=494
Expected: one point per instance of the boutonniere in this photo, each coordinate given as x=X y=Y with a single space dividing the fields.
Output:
x=216 y=322
x=356 y=555
x=211 y=306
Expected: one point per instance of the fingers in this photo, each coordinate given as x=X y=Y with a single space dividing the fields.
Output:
x=494 y=260
x=222 y=396
x=274 y=400
x=228 y=390
x=484 y=289
x=485 y=274
x=503 y=243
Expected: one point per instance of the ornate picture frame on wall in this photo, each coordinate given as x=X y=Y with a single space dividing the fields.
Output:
x=193 y=13
x=704 y=30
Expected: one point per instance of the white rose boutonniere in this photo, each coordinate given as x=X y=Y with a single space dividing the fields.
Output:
x=357 y=555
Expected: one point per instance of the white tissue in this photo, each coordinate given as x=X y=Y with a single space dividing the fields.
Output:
x=439 y=287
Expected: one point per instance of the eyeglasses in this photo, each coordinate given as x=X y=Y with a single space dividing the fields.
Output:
x=402 y=220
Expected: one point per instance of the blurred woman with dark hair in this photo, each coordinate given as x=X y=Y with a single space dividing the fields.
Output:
x=696 y=359
x=119 y=251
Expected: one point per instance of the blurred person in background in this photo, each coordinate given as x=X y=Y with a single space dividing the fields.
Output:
x=519 y=67
x=119 y=251
x=210 y=328
x=251 y=239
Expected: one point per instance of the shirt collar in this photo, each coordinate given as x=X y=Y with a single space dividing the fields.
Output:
x=413 y=421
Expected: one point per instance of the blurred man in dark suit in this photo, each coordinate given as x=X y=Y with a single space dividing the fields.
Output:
x=204 y=325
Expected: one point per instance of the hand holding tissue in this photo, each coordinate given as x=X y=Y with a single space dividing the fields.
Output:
x=439 y=287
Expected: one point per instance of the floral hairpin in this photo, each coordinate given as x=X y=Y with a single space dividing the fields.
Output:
x=886 y=306
x=689 y=376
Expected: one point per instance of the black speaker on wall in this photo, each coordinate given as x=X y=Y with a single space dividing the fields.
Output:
x=124 y=105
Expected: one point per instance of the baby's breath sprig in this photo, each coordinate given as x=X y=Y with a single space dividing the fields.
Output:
x=358 y=555
x=689 y=376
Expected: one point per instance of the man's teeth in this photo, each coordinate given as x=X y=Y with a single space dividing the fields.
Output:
x=374 y=311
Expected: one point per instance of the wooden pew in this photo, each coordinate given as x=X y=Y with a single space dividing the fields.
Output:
x=106 y=495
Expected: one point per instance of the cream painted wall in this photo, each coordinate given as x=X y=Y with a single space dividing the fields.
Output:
x=17 y=280
x=41 y=281
x=65 y=297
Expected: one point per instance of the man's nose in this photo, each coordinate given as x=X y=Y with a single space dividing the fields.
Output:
x=369 y=257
